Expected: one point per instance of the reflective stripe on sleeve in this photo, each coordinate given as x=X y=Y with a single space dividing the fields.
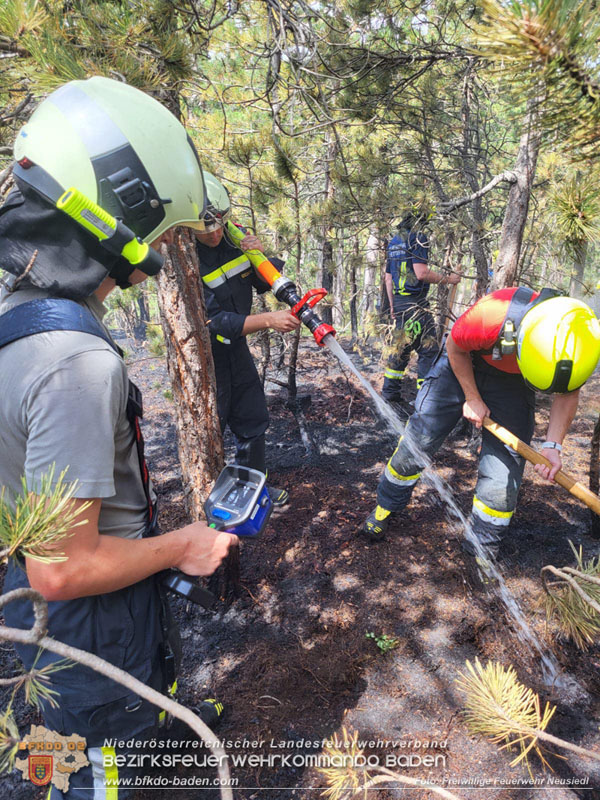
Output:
x=228 y=270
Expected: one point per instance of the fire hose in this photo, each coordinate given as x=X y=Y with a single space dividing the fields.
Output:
x=285 y=289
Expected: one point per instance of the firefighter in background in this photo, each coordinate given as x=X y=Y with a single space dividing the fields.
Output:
x=407 y=281
x=509 y=344
x=228 y=279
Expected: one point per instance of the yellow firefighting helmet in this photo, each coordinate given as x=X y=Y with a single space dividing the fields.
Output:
x=558 y=345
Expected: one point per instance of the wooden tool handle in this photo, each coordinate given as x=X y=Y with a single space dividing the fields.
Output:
x=577 y=489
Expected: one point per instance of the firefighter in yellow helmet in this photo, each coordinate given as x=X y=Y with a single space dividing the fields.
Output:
x=102 y=171
x=509 y=344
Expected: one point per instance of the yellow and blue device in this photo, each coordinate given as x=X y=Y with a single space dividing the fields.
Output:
x=239 y=502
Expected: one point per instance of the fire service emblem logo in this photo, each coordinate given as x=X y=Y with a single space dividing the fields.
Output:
x=40 y=770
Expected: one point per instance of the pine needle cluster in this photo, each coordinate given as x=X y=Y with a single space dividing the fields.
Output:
x=547 y=49
x=576 y=618
x=9 y=740
x=575 y=205
x=502 y=709
x=344 y=780
x=35 y=522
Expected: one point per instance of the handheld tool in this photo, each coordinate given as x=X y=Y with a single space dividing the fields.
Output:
x=239 y=503
x=562 y=478
x=285 y=290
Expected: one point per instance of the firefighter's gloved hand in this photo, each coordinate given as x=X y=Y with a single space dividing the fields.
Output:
x=199 y=549
x=475 y=410
x=283 y=321
x=549 y=472
x=252 y=242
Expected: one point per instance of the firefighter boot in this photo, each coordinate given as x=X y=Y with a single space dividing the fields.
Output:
x=210 y=711
x=279 y=497
x=376 y=524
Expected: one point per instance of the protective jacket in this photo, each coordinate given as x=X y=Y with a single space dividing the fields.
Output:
x=228 y=280
x=403 y=251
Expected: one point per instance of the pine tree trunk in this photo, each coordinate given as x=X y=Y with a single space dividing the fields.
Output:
x=143 y=320
x=576 y=285
x=373 y=255
x=190 y=365
x=354 y=262
x=517 y=207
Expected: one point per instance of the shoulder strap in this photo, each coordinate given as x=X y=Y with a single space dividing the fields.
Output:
x=58 y=314
x=50 y=314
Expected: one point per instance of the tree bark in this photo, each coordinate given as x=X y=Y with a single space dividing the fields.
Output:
x=143 y=320
x=373 y=257
x=517 y=207
x=190 y=365
x=354 y=262
x=577 y=286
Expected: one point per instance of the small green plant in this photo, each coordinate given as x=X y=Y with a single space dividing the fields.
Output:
x=384 y=642
x=168 y=395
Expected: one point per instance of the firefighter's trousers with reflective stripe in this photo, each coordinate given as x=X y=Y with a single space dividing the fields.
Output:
x=415 y=330
x=438 y=409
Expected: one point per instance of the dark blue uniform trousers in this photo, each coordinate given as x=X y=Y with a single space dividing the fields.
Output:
x=241 y=402
x=438 y=409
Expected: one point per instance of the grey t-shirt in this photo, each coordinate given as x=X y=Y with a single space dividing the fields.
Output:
x=63 y=400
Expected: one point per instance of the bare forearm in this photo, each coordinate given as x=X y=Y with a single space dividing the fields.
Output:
x=429 y=276
x=562 y=413
x=112 y=564
x=462 y=367
x=281 y=321
x=256 y=322
x=389 y=287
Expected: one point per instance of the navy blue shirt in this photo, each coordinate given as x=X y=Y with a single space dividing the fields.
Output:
x=228 y=279
x=402 y=253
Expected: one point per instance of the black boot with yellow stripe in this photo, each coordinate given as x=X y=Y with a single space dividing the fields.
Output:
x=376 y=524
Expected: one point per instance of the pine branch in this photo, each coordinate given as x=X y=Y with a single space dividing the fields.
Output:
x=37 y=636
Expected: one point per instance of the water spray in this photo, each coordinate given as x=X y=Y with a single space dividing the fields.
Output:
x=285 y=289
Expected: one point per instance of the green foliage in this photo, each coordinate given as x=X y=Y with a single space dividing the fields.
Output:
x=575 y=203
x=168 y=395
x=34 y=523
x=384 y=642
x=549 y=48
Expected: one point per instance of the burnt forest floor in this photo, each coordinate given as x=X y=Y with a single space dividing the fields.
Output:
x=289 y=655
